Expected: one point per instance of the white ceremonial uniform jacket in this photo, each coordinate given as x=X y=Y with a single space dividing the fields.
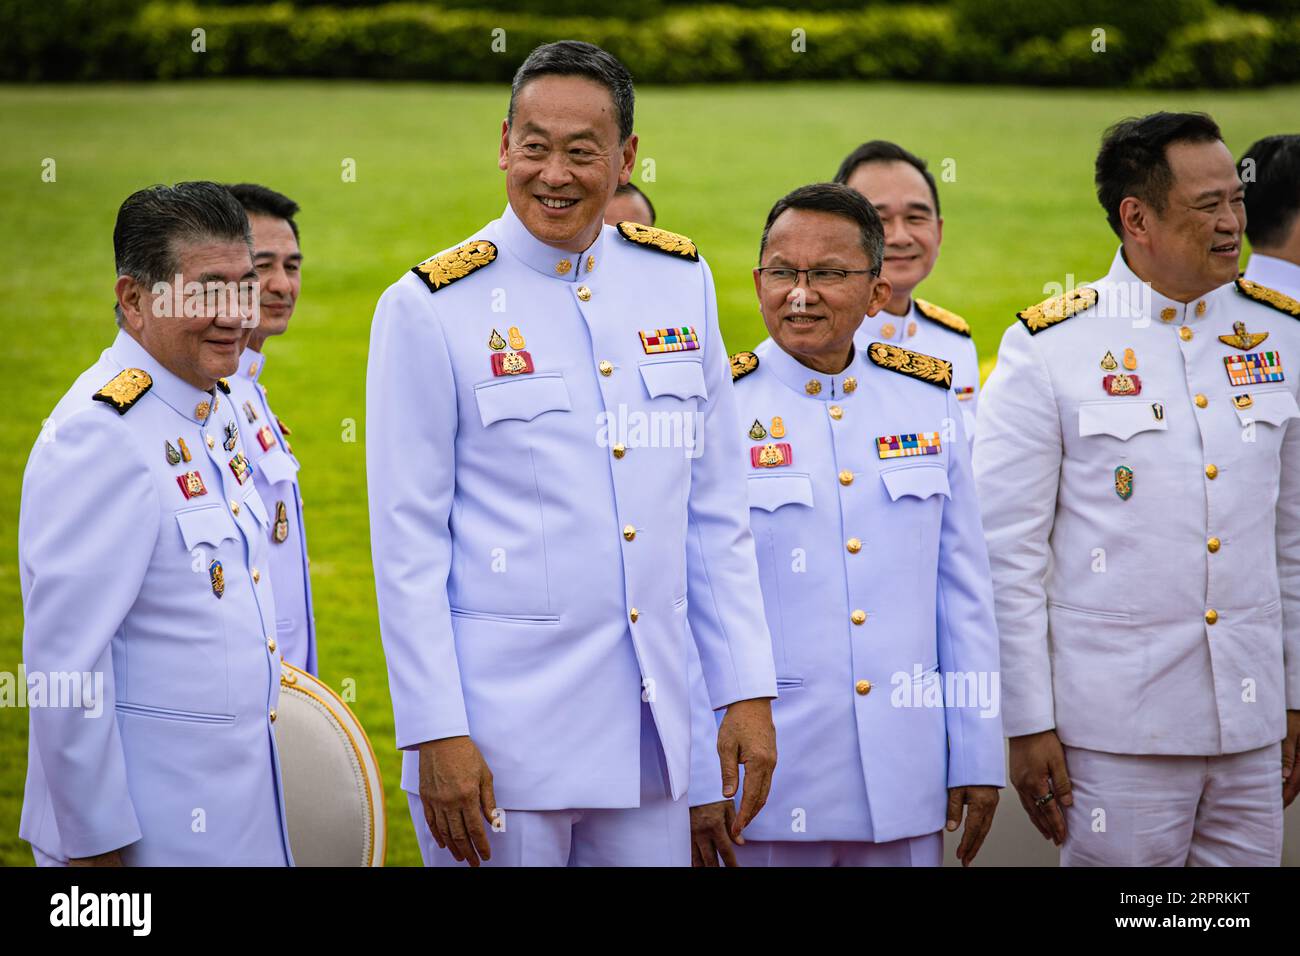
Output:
x=1140 y=485
x=933 y=330
x=275 y=472
x=878 y=597
x=1278 y=274
x=555 y=490
x=150 y=570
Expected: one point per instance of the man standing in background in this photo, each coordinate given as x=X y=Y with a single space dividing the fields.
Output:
x=278 y=260
x=1270 y=170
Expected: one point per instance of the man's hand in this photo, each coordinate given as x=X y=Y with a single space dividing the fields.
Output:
x=982 y=802
x=111 y=858
x=1038 y=769
x=747 y=736
x=456 y=790
x=1290 y=770
x=711 y=834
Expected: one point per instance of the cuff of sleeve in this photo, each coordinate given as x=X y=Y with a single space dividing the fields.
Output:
x=422 y=733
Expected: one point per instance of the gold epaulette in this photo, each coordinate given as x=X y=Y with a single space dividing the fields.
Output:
x=125 y=389
x=927 y=368
x=667 y=242
x=445 y=268
x=1057 y=309
x=224 y=385
x=949 y=320
x=742 y=363
x=1270 y=297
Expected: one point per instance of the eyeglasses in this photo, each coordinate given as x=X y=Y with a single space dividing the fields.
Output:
x=781 y=277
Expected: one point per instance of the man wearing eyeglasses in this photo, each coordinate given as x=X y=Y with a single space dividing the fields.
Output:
x=875 y=578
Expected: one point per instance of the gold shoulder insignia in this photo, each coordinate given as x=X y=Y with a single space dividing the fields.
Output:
x=927 y=368
x=1057 y=309
x=224 y=385
x=1270 y=297
x=444 y=269
x=125 y=389
x=742 y=363
x=949 y=320
x=661 y=239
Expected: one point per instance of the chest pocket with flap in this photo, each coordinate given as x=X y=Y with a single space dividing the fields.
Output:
x=1120 y=420
x=277 y=466
x=680 y=378
x=522 y=397
x=1273 y=408
x=210 y=525
x=916 y=481
x=770 y=492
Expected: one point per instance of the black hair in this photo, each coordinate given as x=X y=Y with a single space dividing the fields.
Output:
x=576 y=58
x=1133 y=159
x=883 y=151
x=1271 y=171
x=260 y=200
x=839 y=200
x=629 y=189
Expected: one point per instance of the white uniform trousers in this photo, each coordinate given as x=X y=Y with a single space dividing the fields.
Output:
x=924 y=850
x=657 y=833
x=1158 y=810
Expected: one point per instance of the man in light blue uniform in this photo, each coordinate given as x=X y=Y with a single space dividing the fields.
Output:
x=555 y=492
x=901 y=187
x=278 y=260
x=143 y=553
x=875 y=576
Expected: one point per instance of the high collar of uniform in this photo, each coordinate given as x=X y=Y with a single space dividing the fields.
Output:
x=1127 y=296
x=1280 y=274
x=887 y=327
x=806 y=381
x=184 y=398
x=546 y=259
x=251 y=364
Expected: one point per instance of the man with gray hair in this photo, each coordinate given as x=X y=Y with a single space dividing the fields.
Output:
x=555 y=493
x=140 y=523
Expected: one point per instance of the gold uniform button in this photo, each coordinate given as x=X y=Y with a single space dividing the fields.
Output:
x=257 y=575
x=1185 y=333
x=619 y=450
x=563 y=266
x=201 y=411
x=629 y=532
x=1168 y=315
x=1211 y=616
x=252 y=370
x=1213 y=545
x=1211 y=472
x=211 y=442
x=854 y=545
x=887 y=330
x=1200 y=307
x=846 y=477
x=858 y=617
x=836 y=412
x=272 y=715
x=863 y=687
x=584 y=293
x=813 y=387
x=606 y=368
x=633 y=615
x=591 y=263
x=234 y=506
x=270 y=644
x=1201 y=401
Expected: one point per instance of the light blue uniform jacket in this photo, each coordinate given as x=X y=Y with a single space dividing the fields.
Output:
x=181 y=767
x=534 y=580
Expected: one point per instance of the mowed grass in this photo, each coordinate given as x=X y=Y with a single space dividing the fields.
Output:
x=1019 y=213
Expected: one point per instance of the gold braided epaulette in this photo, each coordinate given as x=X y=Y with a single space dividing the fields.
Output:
x=1058 y=308
x=742 y=363
x=667 y=242
x=445 y=268
x=1269 y=297
x=927 y=368
x=949 y=320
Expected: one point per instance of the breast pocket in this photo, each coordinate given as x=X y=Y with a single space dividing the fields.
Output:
x=678 y=378
x=1272 y=408
x=1121 y=420
x=916 y=481
x=206 y=527
x=770 y=492
x=277 y=466
x=522 y=398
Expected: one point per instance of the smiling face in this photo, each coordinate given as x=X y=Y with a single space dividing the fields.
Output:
x=278 y=261
x=815 y=324
x=913 y=230
x=563 y=159
x=203 y=342
x=1193 y=245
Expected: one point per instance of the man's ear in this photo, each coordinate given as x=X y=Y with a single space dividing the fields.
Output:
x=502 y=161
x=133 y=301
x=629 y=160
x=1134 y=219
x=881 y=293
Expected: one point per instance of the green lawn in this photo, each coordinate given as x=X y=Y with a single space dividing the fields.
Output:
x=1020 y=213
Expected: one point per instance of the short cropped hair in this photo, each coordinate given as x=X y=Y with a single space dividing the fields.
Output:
x=260 y=200
x=1271 y=171
x=576 y=58
x=883 y=151
x=839 y=200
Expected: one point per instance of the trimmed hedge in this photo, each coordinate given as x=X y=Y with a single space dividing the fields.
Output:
x=1153 y=42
